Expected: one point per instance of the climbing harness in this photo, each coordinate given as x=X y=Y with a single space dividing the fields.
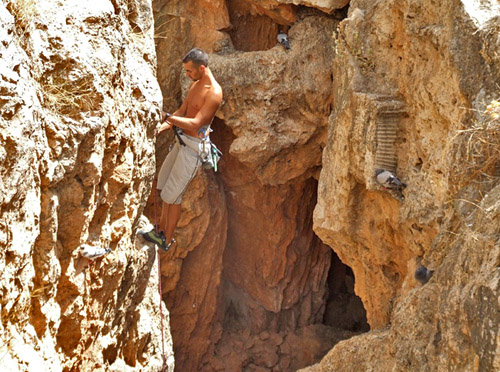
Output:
x=178 y=133
x=208 y=154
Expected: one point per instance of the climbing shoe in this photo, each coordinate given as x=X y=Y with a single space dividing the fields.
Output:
x=156 y=238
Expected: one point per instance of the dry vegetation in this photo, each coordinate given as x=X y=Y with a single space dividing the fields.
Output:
x=476 y=151
x=474 y=178
x=66 y=98
x=24 y=12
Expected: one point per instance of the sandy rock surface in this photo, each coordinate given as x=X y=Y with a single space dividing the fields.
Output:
x=398 y=84
x=78 y=109
x=430 y=70
x=251 y=261
x=291 y=250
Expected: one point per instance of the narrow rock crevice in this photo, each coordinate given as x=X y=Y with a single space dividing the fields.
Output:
x=271 y=273
x=273 y=305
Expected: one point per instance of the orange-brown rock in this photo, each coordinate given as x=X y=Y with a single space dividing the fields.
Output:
x=192 y=270
x=270 y=274
x=389 y=108
x=405 y=63
x=327 y=6
x=251 y=29
x=78 y=108
x=278 y=11
x=411 y=87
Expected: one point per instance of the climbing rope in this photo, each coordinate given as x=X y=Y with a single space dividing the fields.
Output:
x=164 y=366
x=155 y=207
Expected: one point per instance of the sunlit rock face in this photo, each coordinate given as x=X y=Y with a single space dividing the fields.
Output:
x=432 y=70
x=250 y=286
x=79 y=103
x=247 y=285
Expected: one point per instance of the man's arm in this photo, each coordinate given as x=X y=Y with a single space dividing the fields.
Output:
x=203 y=117
x=181 y=111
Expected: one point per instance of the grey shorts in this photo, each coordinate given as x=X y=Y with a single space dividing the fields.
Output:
x=178 y=169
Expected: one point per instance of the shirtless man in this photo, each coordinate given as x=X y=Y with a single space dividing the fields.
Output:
x=179 y=168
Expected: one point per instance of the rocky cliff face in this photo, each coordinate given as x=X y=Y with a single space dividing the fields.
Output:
x=264 y=272
x=274 y=249
x=248 y=289
x=434 y=71
x=396 y=85
x=79 y=103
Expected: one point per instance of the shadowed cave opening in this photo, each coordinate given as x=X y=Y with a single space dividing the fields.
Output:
x=250 y=31
x=344 y=309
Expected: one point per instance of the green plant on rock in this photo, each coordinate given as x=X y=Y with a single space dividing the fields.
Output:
x=338 y=42
x=362 y=55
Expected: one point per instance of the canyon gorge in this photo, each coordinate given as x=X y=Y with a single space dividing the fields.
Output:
x=291 y=257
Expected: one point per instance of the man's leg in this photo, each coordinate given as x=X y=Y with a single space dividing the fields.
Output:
x=170 y=215
x=173 y=212
x=176 y=173
x=164 y=217
x=160 y=237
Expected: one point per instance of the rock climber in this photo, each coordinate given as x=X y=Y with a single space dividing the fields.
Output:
x=181 y=164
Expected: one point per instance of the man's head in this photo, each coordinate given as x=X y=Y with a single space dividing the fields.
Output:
x=195 y=63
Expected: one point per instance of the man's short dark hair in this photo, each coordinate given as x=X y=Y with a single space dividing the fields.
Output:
x=197 y=56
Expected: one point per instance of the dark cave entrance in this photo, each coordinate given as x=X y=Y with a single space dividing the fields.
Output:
x=343 y=309
x=250 y=31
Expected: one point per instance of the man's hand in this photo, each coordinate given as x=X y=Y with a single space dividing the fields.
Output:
x=165 y=124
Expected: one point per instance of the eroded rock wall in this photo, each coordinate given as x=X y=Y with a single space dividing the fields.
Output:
x=79 y=103
x=266 y=270
x=392 y=87
x=431 y=66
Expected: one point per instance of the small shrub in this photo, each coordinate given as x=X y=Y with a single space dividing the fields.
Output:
x=24 y=12
x=477 y=149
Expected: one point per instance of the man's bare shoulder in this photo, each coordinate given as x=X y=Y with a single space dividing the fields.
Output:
x=215 y=90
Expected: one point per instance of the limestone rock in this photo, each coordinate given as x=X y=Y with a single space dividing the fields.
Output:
x=192 y=270
x=79 y=103
x=450 y=323
x=389 y=56
x=279 y=137
x=323 y=5
x=279 y=11
x=269 y=274
x=386 y=105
